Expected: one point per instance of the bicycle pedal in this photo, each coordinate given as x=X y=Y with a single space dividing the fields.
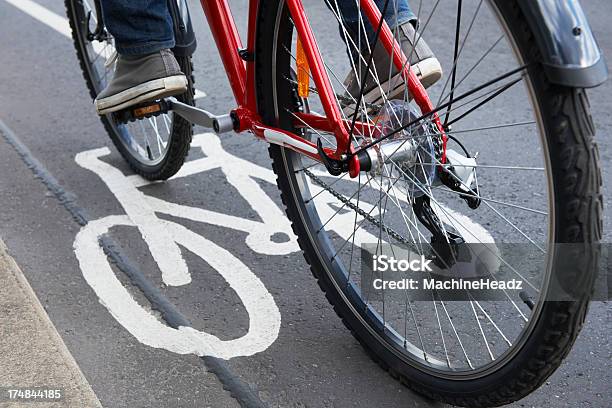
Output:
x=142 y=111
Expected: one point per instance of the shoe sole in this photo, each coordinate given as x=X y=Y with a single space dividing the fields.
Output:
x=149 y=91
x=396 y=84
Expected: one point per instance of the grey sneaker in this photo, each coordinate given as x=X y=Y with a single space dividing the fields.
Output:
x=140 y=79
x=422 y=60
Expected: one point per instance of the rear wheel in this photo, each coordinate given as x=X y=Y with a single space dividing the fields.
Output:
x=155 y=147
x=538 y=185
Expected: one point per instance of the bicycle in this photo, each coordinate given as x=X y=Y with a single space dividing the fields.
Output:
x=406 y=186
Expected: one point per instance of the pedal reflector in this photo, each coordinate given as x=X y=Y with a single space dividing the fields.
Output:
x=143 y=111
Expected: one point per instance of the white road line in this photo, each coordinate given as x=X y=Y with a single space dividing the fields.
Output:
x=58 y=23
x=199 y=94
x=44 y=15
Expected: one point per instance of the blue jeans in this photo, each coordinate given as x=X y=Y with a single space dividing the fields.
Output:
x=398 y=12
x=138 y=26
x=145 y=26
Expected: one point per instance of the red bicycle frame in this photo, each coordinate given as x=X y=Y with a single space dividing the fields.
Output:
x=241 y=75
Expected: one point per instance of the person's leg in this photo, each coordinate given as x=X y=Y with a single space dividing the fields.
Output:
x=398 y=12
x=146 y=69
x=138 y=26
x=402 y=22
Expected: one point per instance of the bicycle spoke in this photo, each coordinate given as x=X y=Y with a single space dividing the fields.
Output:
x=482 y=331
x=493 y=323
x=455 y=58
x=441 y=331
x=467 y=359
x=348 y=279
x=459 y=52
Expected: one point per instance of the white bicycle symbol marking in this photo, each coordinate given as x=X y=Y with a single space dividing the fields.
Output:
x=164 y=237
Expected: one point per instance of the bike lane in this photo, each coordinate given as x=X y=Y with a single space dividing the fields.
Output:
x=298 y=368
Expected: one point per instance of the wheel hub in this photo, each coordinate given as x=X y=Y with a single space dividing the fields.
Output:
x=411 y=153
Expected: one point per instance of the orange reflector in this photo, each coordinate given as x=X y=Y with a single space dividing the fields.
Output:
x=303 y=71
x=147 y=110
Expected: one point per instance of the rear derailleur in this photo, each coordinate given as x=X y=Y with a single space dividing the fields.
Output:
x=458 y=174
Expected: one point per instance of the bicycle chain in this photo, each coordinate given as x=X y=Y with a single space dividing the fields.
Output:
x=358 y=210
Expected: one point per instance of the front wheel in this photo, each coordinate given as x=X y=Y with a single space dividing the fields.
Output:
x=538 y=185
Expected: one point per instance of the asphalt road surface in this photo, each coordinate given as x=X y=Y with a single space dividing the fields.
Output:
x=314 y=361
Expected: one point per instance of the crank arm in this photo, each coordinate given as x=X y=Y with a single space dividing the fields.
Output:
x=197 y=116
